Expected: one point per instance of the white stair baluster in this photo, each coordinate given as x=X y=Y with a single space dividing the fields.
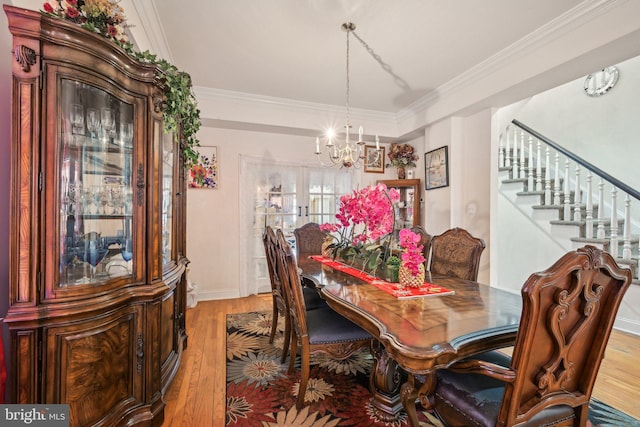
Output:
x=600 y=234
x=547 y=177
x=501 y=150
x=567 y=193
x=614 y=223
x=538 y=167
x=523 y=172
x=514 y=157
x=556 y=180
x=530 y=186
x=588 y=226
x=577 y=197
x=507 y=150
x=626 y=246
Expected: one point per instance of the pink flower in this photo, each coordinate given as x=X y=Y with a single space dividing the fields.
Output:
x=48 y=8
x=365 y=215
x=331 y=228
x=412 y=255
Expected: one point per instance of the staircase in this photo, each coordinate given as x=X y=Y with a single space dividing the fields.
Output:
x=572 y=201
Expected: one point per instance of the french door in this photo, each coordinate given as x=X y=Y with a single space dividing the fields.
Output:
x=285 y=196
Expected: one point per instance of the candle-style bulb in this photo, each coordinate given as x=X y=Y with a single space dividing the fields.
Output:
x=360 y=133
x=377 y=143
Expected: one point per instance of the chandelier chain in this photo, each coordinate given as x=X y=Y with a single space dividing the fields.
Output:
x=350 y=154
x=348 y=80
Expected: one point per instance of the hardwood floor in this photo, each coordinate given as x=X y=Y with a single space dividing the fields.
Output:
x=196 y=396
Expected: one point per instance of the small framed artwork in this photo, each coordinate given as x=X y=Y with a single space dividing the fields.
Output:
x=436 y=166
x=204 y=174
x=373 y=160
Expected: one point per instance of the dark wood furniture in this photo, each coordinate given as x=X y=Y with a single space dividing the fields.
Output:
x=409 y=214
x=280 y=298
x=97 y=293
x=567 y=317
x=456 y=253
x=317 y=331
x=280 y=305
x=419 y=335
x=309 y=239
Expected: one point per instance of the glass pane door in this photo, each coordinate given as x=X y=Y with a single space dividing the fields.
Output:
x=326 y=186
x=286 y=197
x=167 y=196
x=96 y=196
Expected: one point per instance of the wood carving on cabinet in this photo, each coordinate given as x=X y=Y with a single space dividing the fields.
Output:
x=97 y=293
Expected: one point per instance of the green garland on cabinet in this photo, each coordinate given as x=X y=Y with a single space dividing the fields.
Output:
x=180 y=106
x=107 y=18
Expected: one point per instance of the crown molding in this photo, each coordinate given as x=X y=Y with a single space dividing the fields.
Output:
x=553 y=30
x=211 y=94
x=149 y=34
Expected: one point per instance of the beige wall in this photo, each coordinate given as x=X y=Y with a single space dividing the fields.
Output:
x=466 y=201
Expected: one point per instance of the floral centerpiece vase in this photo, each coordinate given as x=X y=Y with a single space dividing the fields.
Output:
x=412 y=271
x=408 y=279
x=402 y=156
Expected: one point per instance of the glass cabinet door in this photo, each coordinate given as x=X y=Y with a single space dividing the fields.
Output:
x=167 y=196
x=96 y=193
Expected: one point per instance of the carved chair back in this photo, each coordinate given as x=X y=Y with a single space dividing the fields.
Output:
x=456 y=253
x=291 y=276
x=567 y=317
x=309 y=239
x=270 y=246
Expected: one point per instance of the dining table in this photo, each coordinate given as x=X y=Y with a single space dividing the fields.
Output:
x=415 y=336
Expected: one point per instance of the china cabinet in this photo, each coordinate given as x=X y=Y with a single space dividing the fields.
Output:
x=407 y=211
x=97 y=295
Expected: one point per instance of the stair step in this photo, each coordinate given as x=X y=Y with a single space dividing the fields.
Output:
x=546 y=213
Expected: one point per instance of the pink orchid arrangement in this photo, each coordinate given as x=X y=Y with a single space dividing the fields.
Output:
x=412 y=254
x=364 y=216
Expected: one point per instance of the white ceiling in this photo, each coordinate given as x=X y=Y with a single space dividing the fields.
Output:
x=281 y=64
x=296 y=49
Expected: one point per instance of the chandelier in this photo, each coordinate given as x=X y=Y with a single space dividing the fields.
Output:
x=350 y=153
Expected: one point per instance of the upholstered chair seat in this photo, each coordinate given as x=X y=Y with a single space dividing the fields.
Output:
x=474 y=400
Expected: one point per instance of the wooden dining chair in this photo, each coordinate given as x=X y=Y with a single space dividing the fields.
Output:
x=456 y=253
x=309 y=239
x=315 y=331
x=280 y=302
x=567 y=316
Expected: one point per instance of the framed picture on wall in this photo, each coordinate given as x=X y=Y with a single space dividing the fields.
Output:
x=373 y=163
x=204 y=174
x=436 y=167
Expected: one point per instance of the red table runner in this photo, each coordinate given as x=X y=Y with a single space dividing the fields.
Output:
x=428 y=289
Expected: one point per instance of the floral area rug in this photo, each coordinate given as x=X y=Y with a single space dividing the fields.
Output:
x=261 y=393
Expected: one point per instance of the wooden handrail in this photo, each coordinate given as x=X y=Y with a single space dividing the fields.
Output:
x=616 y=182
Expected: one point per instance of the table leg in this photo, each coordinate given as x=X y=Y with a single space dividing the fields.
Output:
x=409 y=393
x=385 y=380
